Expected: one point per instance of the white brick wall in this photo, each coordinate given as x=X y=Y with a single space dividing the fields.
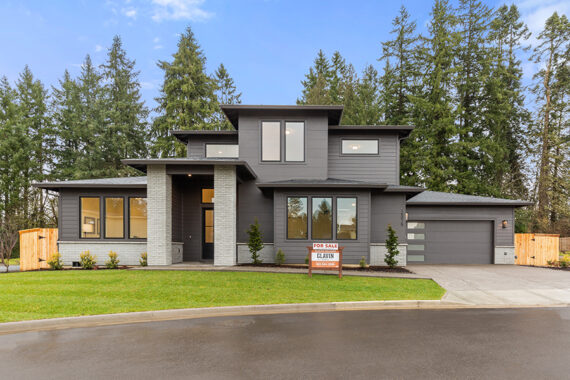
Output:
x=225 y=203
x=128 y=253
x=159 y=210
x=267 y=254
x=378 y=253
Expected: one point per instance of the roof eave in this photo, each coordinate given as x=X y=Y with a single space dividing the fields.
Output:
x=503 y=204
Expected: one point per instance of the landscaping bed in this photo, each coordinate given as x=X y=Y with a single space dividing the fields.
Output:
x=51 y=294
x=371 y=268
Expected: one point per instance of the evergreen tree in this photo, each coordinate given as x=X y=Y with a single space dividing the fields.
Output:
x=391 y=248
x=255 y=242
x=226 y=93
x=187 y=100
x=316 y=85
x=367 y=108
x=551 y=91
x=125 y=133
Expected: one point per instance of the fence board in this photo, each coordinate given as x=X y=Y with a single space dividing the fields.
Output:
x=536 y=249
x=565 y=244
x=37 y=245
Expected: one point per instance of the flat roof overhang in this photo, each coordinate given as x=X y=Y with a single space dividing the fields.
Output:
x=402 y=130
x=192 y=166
x=320 y=184
x=56 y=186
x=184 y=136
x=232 y=111
x=486 y=204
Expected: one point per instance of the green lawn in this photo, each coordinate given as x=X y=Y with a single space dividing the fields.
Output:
x=51 y=294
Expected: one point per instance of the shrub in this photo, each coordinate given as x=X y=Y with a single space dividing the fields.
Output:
x=255 y=243
x=143 y=259
x=392 y=248
x=307 y=259
x=564 y=264
x=551 y=263
x=362 y=262
x=279 y=257
x=113 y=262
x=87 y=260
x=55 y=262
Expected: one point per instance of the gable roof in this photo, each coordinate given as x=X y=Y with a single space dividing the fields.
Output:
x=232 y=111
x=450 y=199
x=121 y=182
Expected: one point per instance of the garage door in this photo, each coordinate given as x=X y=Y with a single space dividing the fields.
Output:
x=450 y=242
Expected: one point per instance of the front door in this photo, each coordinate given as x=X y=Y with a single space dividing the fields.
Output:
x=208 y=234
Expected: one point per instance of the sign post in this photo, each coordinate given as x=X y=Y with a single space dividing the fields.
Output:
x=325 y=256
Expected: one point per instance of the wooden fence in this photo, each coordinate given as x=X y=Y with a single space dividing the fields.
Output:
x=536 y=249
x=565 y=244
x=37 y=246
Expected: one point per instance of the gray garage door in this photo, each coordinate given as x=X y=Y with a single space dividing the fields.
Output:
x=450 y=242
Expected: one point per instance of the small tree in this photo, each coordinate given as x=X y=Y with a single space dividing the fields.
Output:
x=392 y=248
x=113 y=262
x=279 y=257
x=255 y=242
x=9 y=237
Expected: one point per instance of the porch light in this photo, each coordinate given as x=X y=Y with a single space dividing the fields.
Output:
x=505 y=224
x=189 y=175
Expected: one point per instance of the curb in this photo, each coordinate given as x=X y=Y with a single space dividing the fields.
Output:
x=225 y=311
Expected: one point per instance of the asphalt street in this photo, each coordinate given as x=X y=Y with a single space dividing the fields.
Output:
x=521 y=343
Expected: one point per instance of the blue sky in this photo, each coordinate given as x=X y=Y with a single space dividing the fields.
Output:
x=267 y=46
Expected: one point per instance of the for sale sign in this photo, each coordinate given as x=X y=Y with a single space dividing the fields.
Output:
x=325 y=256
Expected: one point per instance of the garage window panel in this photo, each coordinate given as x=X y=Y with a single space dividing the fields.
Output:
x=416 y=236
x=416 y=226
x=416 y=247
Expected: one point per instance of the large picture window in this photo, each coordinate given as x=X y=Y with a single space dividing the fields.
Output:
x=114 y=218
x=137 y=218
x=321 y=218
x=346 y=218
x=297 y=223
x=294 y=141
x=90 y=217
x=271 y=141
x=359 y=146
x=222 y=151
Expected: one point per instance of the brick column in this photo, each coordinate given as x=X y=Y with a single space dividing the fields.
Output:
x=225 y=205
x=159 y=211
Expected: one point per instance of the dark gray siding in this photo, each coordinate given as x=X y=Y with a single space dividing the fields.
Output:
x=253 y=203
x=296 y=250
x=501 y=236
x=388 y=208
x=383 y=168
x=177 y=191
x=316 y=145
x=69 y=223
x=196 y=147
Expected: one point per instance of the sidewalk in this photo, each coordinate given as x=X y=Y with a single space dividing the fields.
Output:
x=198 y=266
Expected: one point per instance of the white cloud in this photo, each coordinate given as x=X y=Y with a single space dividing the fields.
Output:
x=156 y=40
x=130 y=12
x=535 y=13
x=157 y=44
x=98 y=48
x=179 y=10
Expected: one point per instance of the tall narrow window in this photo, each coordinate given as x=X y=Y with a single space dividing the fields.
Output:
x=294 y=141
x=271 y=141
x=207 y=195
x=322 y=218
x=114 y=218
x=137 y=218
x=346 y=218
x=90 y=217
x=297 y=223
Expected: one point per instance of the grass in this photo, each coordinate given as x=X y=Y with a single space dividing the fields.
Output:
x=52 y=294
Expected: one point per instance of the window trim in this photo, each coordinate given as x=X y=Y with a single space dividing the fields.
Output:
x=104 y=227
x=81 y=217
x=333 y=215
x=280 y=159
x=285 y=141
x=222 y=143
x=129 y=219
x=287 y=216
x=336 y=215
x=360 y=154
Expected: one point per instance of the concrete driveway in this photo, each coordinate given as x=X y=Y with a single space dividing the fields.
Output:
x=500 y=284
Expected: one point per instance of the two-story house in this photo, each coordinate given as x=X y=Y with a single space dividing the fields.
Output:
x=302 y=175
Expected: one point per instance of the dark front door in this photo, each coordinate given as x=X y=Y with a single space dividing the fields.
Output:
x=208 y=234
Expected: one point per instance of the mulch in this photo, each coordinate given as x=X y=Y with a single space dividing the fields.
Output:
x=371 y=268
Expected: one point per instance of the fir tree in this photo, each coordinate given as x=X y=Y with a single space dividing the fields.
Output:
x=316 y=85
x=187 y=100
x=255 y=242
x=391 y=248
x=226 y=93
x=367 y=108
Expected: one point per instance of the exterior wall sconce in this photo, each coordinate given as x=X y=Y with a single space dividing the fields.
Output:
x=505 y=224
x=189 y=175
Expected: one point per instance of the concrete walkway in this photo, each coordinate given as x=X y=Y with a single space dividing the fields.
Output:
x=197 y=266
x=500 y=285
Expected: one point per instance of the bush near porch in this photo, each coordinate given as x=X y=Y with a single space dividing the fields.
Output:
x=52 y=294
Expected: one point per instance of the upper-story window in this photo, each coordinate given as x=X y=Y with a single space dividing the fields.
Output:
x=271 y=141
x=359 y=146
x=222 y=151
x=272 y=133
x=294 y=141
